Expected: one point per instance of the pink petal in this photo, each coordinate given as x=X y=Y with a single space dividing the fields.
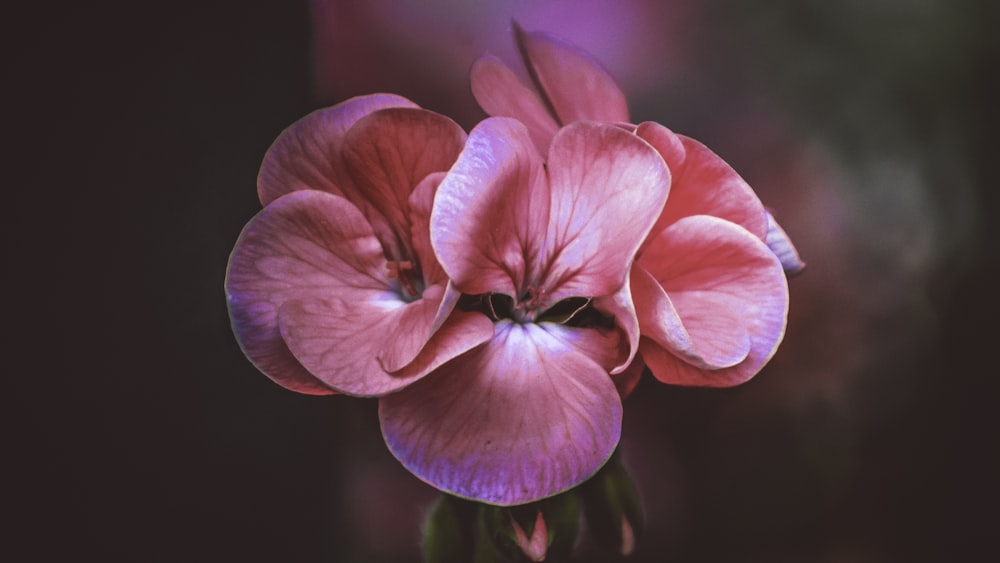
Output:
x=607 y=189
x=724 y=285
x=387 y=153
x=491 y=209
x=620 y=306
x=306 y=154
x=703 y=184
x=421 y=204
x=710 y=337
x=340 y=340
x=782 y=247
x=292 y=244
x=501 y=94
x=414 y=335
x=518 y=419
x=576 y=85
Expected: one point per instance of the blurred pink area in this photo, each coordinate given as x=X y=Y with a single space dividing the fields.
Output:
x=424 y=50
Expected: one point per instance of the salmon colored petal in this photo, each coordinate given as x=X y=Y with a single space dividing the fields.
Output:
x=628 y=379
x=387 y=153
x=711 y=338
x=703 y=184
x=306 y=154
x=491 y=210
x=782 y=247
x=607 y=189
x=304 y=239
x=518 y=419
x=574 y=83
x=723 y=282
x=501 y=94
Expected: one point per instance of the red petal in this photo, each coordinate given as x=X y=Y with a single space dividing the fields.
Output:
x=576 y=85
x=387 y=153
x=306 y=156
x=725 y=285
x=519 y=419
x=703 y=184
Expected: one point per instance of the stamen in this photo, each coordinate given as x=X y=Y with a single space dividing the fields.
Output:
x=408 y=276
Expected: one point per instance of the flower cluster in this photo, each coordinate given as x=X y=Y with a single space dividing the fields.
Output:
x=501 y=291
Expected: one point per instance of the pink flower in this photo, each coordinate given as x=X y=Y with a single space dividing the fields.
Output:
x=708 y=286
x=333 y=286
x=545 y=248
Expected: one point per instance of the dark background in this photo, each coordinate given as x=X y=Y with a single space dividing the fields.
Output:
x=137 y=431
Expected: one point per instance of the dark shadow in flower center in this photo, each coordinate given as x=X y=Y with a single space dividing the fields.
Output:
x=573 y=311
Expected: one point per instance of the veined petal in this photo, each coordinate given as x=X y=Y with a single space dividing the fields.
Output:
x=575 y=84
x=703 y=184
x=491 y=210
x=340 y=339
x=724 y=285
x=501 y=94
x=387 y=153
x=521 y=418
x=301 y=242
x=782 y=247
x=306 y=155
x=607 y=189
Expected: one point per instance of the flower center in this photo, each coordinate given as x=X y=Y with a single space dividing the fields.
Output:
x=407 y=279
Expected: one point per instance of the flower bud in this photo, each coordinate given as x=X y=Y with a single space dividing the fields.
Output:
x=539 y=531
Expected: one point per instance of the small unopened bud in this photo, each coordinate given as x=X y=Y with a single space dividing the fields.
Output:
x=540 y=531
x=535 y=547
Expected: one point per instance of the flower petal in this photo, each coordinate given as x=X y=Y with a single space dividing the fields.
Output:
x=306 y=239
x=518 y=419
x=710 y=338
x=491 y=209
x=501 y=94
x=782 y=247
x=387 y=153
x=725 y=285
x=620 y=306
x=575 y=84
x=305 y=156
x=421 y=204
x=341 y=339
x=703 y=184
x=607 y=189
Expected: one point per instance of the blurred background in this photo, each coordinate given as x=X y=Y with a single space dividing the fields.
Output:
x=137 y=431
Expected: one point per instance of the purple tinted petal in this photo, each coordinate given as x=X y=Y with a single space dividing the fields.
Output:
x=521 y=418
x=302 y=241
x=781 y=245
